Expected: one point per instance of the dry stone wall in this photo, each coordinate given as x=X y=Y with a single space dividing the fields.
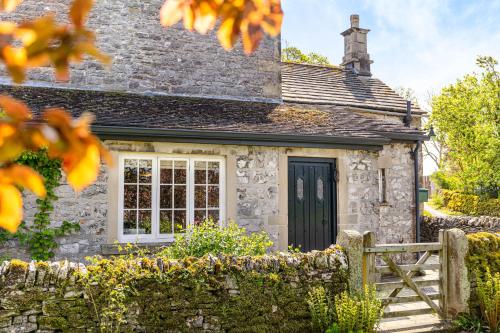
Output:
x=150 y=58
x=237 y=294
x=469 y=224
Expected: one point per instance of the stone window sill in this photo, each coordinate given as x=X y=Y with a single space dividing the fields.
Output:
x=112 y=249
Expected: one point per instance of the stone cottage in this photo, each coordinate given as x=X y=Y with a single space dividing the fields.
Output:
x=300 y=151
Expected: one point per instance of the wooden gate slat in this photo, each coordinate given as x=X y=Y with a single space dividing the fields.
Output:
x=410 y=274
x=390 y=286
x=411 y=284
x=407 y=299
x=409 y=268
x=414 y=247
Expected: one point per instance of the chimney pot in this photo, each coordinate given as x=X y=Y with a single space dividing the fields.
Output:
x=356 y=54
x=354 y=21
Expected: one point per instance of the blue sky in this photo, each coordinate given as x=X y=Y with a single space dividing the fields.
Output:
x=420 y=44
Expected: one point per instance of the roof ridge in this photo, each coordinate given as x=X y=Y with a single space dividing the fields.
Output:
x=313 y=65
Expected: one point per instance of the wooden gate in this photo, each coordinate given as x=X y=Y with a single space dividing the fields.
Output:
x=391 y=279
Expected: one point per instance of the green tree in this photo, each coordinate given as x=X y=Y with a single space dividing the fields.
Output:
x=466 y=115
x=292 y=53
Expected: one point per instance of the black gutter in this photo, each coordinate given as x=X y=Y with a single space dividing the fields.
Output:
x=237 y=138
x=414 y=153
x=404 y=136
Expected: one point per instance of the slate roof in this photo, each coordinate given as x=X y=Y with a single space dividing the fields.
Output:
x=311 y=84
x=187 y=113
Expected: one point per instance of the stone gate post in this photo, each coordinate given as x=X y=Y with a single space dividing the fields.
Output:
x=351 y=242
x=458 y=286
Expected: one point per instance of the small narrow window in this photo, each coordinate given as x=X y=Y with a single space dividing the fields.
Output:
x=382 y=186
x=300 y=188
x=319 y=188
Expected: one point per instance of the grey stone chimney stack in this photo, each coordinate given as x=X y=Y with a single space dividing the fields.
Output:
x=356 y=49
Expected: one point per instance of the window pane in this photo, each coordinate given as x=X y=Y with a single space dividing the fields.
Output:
x=213 y=173
x=180 y=220
x=200 y=174
x=319 y=188
x=130 y=196
x=165 y=196
x=166 y=168
x=130 y=171
x=213 y=196
x=214 y=214
x=300 y=188
x=145 y=170
x=200 y=200
x=129 y=222
x=180 y=196
x=165 y=222
x=199 y=216
x=180 y=172
x=144 y=196
x=144 y=222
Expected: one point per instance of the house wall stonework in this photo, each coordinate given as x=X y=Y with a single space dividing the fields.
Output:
x=150 y=58
x=256 y=194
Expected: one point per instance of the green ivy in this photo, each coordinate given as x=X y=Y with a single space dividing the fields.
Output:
x=40 y=238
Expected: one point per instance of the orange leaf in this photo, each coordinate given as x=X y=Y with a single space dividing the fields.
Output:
x=15 y=109
x=86 y=169
x=11 y=207
x=26 y=177
x=9 y=5
x=228 y=33
x=171 y=12
x=79 y=11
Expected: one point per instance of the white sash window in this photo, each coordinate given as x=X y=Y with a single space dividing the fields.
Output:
x=160 y=195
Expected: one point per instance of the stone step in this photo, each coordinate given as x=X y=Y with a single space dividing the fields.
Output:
x=414 y=324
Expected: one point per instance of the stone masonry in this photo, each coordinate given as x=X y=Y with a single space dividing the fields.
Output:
x=149 y=58
x=47 y=297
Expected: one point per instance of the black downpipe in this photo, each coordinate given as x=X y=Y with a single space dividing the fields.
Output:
x=414 y=153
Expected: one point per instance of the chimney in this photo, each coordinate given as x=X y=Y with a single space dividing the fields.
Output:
x=355 y=48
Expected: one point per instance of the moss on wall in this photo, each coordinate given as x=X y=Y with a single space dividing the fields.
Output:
x=484 y=251
x=209 y=294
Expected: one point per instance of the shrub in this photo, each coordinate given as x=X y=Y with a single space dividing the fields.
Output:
x=488 y=291
x=348 y=313
x=483 y=257
x=467 y=203
x=321 y=308
x=208 y=237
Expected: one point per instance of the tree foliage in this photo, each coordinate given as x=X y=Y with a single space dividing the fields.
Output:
x=248 y=18
x=292 y=53
x=466 y=116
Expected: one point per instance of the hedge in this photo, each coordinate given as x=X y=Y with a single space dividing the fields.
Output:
x=484 y=251
x=470 y=204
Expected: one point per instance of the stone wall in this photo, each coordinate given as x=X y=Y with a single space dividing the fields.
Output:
x=150 y=58
x=261 y=294
x=393 y=221
x=469 y=224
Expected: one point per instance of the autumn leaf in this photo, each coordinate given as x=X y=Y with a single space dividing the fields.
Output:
x=79 y=11
x=11 y=208
x=9 y=5
x=14 y=109
x=250 y=19
x=73 y=142
x=11 y=204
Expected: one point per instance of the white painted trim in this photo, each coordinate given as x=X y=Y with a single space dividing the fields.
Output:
x=156 y=159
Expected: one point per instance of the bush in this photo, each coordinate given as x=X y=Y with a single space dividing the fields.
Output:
x=488 y=291
x=208 y=237
x=347 y=313
x=483 y=256
x=467 y=203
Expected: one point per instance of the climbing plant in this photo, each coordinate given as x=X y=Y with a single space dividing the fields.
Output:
x=40 y=237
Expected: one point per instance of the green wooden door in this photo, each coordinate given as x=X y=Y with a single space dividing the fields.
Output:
x=311 y=203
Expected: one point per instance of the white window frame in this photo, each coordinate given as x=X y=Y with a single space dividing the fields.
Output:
x=155 y=235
